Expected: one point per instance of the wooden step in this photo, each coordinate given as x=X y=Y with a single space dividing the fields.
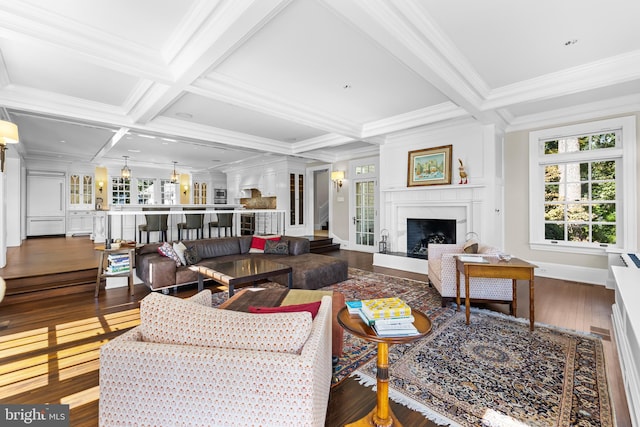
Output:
x=322 y=244
x=21 y=289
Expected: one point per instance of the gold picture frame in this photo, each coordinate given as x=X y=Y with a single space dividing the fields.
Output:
x=430 y=166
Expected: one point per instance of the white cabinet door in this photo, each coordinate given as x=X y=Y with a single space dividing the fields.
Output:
x=45 y=196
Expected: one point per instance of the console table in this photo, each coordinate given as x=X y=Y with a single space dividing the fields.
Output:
x=514 y=269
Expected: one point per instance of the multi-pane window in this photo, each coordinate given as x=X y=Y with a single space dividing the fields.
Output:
x=145 y=191
x=583 y=186
x=168 y=193
x=580 y=196
x=365 y=169
x=120 y=191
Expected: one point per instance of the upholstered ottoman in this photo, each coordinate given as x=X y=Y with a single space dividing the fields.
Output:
x=313 y=271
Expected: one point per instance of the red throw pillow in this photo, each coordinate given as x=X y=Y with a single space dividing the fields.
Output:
x=311 y=307
x=257 y=243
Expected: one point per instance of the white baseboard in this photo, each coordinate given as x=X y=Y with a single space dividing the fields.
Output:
x=594 y=276
x=415 y=265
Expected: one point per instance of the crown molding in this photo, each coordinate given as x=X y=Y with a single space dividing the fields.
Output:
x=324 y=141
x=416 y=118
x=613 y=70
x=611 y=107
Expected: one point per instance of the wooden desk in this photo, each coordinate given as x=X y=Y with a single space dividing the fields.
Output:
x=515 y=269
x=130 y=251
x=381 y=415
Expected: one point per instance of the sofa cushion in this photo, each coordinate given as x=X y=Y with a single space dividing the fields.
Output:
x=191 y=255
x=211 y=248
x=311 y=307
x=170 y=320
x=279 y=247
x=258 y=243
x=179 y=248
x=167 y=250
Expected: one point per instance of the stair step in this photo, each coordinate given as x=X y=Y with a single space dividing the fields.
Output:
x=325 y=248
x=322 y=244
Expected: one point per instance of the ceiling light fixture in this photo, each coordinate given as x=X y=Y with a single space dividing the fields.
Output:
x=571 y=42
x=174 y=176
x=8 y=135
x=125 y=172
x=184 y=115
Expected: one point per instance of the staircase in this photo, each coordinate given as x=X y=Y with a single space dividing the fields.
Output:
x=320 y=244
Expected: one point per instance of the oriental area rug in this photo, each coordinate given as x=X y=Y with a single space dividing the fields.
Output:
x=493 y=372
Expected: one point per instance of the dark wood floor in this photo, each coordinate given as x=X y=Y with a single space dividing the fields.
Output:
x=49 y=351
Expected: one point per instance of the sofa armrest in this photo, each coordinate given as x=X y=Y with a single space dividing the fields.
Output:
x=298 y=245
x=159 y=271
x=436 y=250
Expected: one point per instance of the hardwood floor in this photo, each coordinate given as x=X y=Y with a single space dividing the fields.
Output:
x=49 y=351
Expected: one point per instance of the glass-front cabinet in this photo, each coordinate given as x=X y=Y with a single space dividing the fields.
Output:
x=81 y=204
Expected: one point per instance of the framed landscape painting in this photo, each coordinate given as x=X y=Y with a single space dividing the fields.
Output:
x=431 y=166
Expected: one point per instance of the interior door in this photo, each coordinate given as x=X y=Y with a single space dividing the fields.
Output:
x=365 y=222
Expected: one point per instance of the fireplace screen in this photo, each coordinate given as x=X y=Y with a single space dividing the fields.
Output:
x=422 y=232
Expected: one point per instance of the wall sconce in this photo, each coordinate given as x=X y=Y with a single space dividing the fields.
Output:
x=8 y=135
x=100 y=185
x=186 y=188
x=337 y=177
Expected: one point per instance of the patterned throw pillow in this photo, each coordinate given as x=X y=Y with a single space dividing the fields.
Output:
x=258 y=242
x=276 y=247
x=191 y=255
x=167 y=250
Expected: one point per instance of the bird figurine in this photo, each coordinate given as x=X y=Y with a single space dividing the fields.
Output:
x=463 y=173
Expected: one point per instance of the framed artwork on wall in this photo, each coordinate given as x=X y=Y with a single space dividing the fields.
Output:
x=430 y=166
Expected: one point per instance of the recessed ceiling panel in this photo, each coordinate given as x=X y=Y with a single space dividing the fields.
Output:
x=225 y=116
x=311 y=56
x=59 y=138
x=42 y=67
x=508 y=41
x=147 y=22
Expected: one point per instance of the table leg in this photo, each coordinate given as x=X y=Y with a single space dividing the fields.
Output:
x=132 y=266
x=200 y=282
x=467 y=299
x=291 y=279
x=514 y=301
x=381 y=415
x=231 y=290
x=458 y=288
x=99 y=278
x=531 y=304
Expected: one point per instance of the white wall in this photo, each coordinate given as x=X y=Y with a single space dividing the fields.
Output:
x=479 y=149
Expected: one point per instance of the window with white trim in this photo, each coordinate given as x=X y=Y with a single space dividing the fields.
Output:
x=583 y=186
x=120 y=191
x=168 y=192
x=145 y=191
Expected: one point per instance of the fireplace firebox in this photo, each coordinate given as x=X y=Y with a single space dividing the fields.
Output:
x=422 y=232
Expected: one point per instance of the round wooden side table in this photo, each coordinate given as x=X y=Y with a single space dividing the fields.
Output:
x=381 y=415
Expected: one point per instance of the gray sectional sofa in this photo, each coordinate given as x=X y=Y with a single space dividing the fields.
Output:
x=310 y=271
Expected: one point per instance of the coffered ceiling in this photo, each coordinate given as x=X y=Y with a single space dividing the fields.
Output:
x=212 y=83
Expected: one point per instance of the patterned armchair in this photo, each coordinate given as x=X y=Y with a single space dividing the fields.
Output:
x=442 y=274
x=188 y=364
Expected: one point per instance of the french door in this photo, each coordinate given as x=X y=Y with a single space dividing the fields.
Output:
x=364 y=224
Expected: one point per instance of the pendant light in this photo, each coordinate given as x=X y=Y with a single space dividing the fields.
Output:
x=125 y=172
x=174 y=176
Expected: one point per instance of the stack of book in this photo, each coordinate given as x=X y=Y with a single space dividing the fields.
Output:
x=386 y=316
x=117 y=263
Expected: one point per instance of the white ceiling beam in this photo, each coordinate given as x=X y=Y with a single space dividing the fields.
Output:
x=197 y=50
x=117 y=137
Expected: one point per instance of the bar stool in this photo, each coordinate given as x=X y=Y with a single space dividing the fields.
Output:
x=224 y=221
x=154 y=223
x=192 y=222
